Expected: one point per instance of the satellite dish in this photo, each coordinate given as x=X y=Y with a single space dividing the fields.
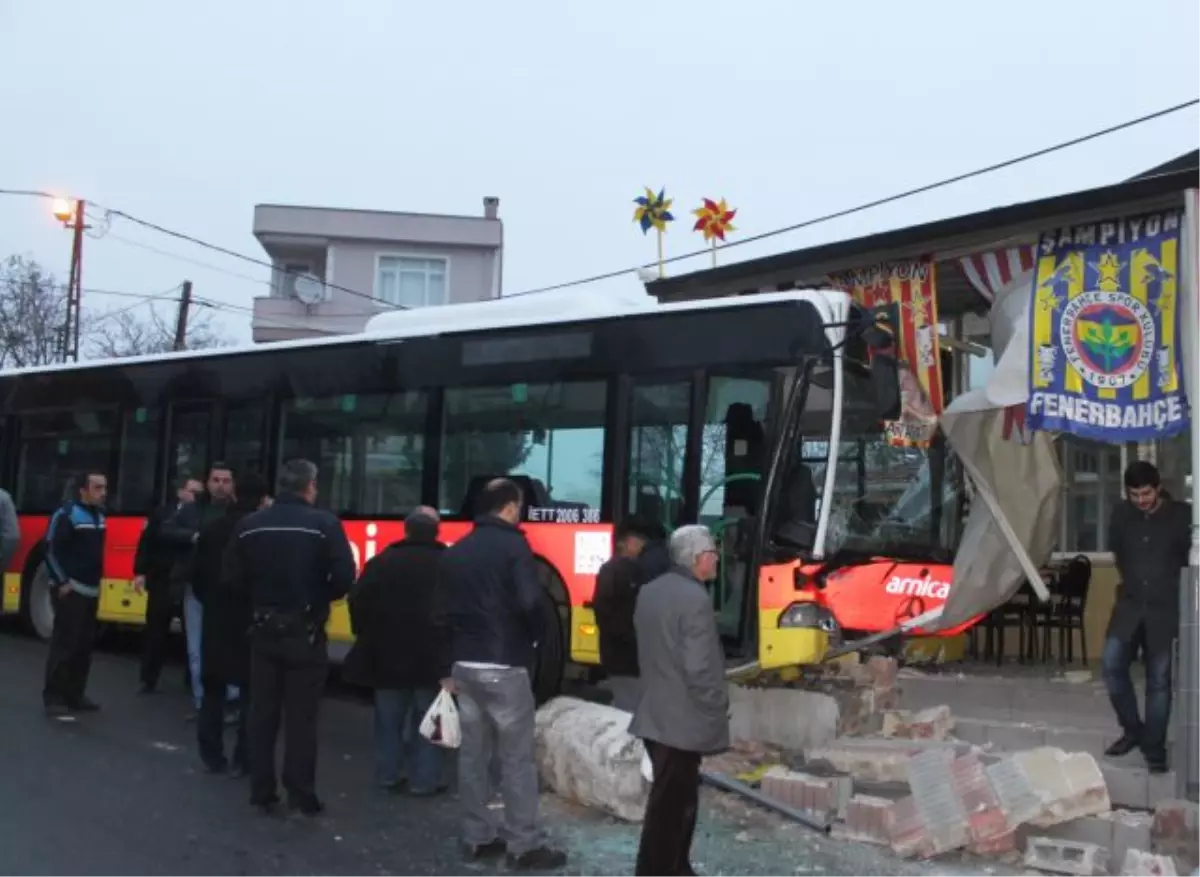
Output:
x=309 y=289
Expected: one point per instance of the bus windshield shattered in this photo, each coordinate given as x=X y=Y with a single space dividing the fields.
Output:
x=884 y=500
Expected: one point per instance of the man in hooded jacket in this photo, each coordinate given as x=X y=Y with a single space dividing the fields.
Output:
x=400 y=651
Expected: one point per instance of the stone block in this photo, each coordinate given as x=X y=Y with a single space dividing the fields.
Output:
x=1069 y=785
x=1066 y=856
x=1160 y=787
x=868 y=820
x=820 y=796
x=1128 y=786
x=1139 y=862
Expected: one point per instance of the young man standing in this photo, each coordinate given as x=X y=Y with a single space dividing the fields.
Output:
x=1149 y=535
x=75 y=563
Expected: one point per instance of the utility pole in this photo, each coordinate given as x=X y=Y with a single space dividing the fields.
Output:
x=185 y=303
x=72 y=217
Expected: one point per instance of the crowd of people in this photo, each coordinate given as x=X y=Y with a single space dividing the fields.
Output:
x=253 y=577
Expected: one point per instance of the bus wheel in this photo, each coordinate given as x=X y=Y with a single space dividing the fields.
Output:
x=551 y=651
x=38 y=605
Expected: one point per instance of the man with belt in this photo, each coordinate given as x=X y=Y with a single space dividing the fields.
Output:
x=75 y=564
x=1149 y=535
x=293 y=560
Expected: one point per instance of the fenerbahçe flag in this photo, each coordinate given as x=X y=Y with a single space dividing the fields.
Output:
x=911 y=284
x=1105 y=331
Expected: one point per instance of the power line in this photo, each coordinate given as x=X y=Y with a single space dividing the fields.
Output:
x=217 y=248
x=878 y=202
x=200 y=264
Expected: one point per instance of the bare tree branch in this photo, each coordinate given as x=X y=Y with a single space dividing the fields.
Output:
x=147 y=329
x=33 y=314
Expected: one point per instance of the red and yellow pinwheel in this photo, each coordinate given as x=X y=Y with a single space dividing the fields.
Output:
x=713 y=220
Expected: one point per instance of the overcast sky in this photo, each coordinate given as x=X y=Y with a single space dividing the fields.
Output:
x=190 y=114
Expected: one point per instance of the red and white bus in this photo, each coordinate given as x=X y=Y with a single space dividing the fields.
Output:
x=721 y=411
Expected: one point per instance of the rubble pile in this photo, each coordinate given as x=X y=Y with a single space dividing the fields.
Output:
x=914 y=788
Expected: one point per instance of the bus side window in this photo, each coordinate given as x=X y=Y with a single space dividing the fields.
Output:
x=658 y=438
x=134 y=493
x=56 y=445
x=369 y=449
x=549 y=437
x=243 y=447
x=189 y=442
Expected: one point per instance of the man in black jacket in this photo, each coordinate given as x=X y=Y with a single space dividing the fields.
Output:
x=183 y=531
x=152 y=565
x=75 y=564
x=1150 y=536
x=225 y=655
x=491 y=600
x=293 y=560
x=617 y=585
x=399 y=651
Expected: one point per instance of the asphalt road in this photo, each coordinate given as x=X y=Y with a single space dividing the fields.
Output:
x=121 y=792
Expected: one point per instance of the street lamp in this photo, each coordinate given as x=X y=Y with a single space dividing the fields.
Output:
x=71 y=215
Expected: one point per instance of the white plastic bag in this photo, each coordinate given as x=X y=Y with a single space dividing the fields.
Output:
x=440 y=725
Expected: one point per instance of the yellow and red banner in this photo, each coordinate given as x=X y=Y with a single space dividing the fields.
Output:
x=912 y=285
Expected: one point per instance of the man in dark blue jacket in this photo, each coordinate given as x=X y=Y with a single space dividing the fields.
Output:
x=293 y=560
x=491 y=601
x=75 y=564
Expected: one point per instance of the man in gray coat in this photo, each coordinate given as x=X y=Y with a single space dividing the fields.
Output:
x=684 y=711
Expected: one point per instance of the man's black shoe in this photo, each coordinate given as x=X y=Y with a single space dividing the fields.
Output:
x=56 y=711
x=538 y=859
x=493 y=850
x=1124 y=746
x=84 y=705
x=306 y=805
x=1156 y=762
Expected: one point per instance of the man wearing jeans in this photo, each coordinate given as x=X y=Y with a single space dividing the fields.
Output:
x=491 y=602
x=1149 y=535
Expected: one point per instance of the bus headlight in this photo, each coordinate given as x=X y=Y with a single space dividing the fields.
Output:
x=809 y=615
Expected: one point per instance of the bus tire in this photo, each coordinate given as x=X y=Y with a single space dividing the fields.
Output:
x=551 y=657
x=37 y=604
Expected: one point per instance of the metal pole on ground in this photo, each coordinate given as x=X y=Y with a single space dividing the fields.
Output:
x=1187 y=704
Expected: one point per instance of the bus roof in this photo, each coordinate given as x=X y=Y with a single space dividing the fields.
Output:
x=515 y=312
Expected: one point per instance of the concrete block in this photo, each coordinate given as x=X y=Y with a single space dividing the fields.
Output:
x=868 y=820
x=1139 y=862
x=1093 y=741
x=1130 y=831
x=1095 y=830
x=1065 y=856
x=1128 y=786
x=1069 y=785
x=820 y=796
x=1160 y=787
x=786 y=718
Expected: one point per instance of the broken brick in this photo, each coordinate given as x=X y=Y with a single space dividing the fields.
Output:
x=1176 y=830
x=985 y=817
x=868 y=820
x=997 y=845
x=821 y=796
x=1066 y=856
x=931 y=777
x=933 y=723
x=1139 y=862
x=908 y=835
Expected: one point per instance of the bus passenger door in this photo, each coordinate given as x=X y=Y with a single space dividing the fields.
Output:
x=733 y=455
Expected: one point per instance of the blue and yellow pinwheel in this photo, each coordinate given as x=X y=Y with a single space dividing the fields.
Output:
x=653 y=211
